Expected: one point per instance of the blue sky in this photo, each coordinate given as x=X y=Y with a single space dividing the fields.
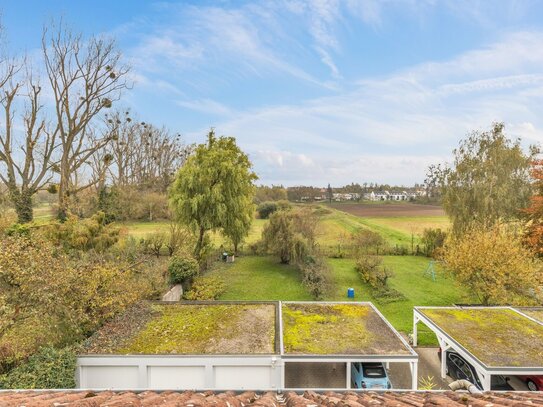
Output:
x=320 y=91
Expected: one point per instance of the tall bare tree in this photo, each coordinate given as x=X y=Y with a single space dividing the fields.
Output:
x=26 y=148
x=144 y=155
x=86 y=77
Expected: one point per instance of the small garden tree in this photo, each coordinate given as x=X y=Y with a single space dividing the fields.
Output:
x=290 y=235
x=494 y=264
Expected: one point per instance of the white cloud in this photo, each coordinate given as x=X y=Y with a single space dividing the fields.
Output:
x=417 y=115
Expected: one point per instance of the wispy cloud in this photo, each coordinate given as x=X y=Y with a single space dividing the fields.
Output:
x=416 y=115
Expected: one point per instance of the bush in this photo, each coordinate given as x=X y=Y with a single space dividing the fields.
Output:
x=366 y=242
x=153 y=244
x=85 y=234
x=18 y=229
x=182 y=269
x=315 y=276
x=372 y=271
x=432 y=240
x=265 y=209
x=50 y=368
x=206 y=288
x=48 y=298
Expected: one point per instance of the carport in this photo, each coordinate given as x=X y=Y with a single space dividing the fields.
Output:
x=494 y=340
x=320 y=341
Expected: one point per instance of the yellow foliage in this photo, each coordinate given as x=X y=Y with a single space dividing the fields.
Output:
x=494 y=265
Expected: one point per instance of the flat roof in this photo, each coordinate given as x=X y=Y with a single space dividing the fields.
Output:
x=314 y=328
x=497 y=336
x=187 y=328
x=533 y=312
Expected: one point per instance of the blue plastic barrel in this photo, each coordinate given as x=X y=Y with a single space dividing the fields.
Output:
x=350 y=292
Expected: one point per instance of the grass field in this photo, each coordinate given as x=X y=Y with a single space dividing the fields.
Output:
x=261 y=278
x=409 y=279
x=143 y=229
x=264 y=278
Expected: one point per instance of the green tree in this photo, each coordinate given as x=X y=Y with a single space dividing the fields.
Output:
x=494 y=264
x=488 y=182
x=214 y=190
x=290 y=235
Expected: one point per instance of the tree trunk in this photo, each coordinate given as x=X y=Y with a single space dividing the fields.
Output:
x=23 y=205
x=199 y=244
x=63 y=194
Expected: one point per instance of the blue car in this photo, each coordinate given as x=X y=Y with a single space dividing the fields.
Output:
x=369 y=376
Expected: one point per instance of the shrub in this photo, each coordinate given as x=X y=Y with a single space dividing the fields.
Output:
x=17 y=229
x=432 y=240
x=182 y=269
x=153 y=244
x=206 y=288
x=47 y=298
x=366 y=241
x=372 y=271
x=178 y=238
x=265 y=209
x=85 y=234
x=315 y=276
x=50 y=368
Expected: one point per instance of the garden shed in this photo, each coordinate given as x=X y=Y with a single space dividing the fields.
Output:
x=494 y=340
x=231 y=345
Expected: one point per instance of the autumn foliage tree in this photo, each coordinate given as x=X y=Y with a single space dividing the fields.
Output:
x=534 y=213
x=494 y=264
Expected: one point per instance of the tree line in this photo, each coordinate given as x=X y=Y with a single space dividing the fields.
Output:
x=60 y=132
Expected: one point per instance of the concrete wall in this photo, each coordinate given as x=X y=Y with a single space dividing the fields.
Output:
x=179 y=372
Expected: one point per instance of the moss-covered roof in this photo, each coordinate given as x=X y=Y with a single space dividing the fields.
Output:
x=498 y=337
x=534 y=312
x=337 y=329
x=189 y=329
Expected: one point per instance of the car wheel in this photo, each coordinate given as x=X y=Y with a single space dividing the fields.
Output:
x=531 y=385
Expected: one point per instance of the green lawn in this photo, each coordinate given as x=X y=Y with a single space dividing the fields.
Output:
x=261 y=278
x=409 y=279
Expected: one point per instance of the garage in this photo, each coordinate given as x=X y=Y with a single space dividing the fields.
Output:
x=485 y=344
x=243 y=345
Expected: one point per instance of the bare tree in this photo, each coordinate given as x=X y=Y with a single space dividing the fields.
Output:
x=144 y=155
x=85 y=78
x=25 y=154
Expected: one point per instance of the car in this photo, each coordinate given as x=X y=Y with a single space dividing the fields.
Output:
x=369 y=376
x=534 y=383
x=459 y=369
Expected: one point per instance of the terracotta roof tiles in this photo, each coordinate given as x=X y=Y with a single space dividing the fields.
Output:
x=55 y=398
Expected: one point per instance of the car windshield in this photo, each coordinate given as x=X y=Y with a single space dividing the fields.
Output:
x=374 y=371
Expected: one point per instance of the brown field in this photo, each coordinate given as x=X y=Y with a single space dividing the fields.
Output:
x=387 y=210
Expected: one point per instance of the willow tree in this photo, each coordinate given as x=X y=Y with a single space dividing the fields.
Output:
x=214 y=191
x=489 y=181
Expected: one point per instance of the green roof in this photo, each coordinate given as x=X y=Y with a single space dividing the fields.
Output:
x=337 y=329
x=498 y=337
x=534 y=312
x=185 y=328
